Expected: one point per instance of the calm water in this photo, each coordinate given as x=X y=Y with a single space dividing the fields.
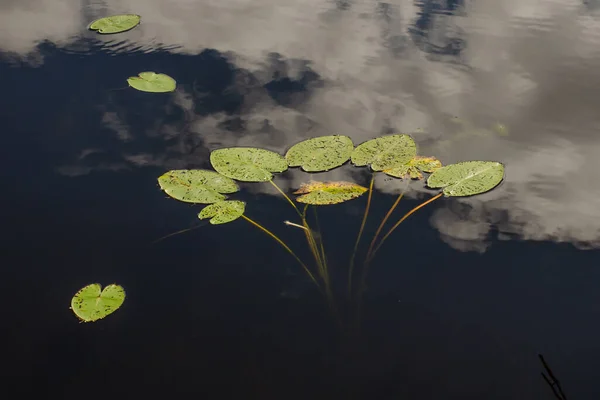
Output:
x=460 y=300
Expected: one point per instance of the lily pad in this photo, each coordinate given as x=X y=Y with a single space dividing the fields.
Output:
x=414 y=167
x=223 y=211
x=197 y=185
x=152 y=82
x=321 y=153
x=115 y=23
x=91 y=304
x=324 y=193
x=247 y=164
x=385 y=152
x=467 y=178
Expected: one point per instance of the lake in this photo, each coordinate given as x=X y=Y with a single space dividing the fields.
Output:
x=460 y=299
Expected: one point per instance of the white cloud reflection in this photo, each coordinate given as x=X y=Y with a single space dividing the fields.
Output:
x=532 y=65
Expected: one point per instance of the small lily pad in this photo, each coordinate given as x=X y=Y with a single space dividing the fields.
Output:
x=467 y=178
x=325 y=193
x=152 y=82
x=414 y=167
x=247 y=164
x=197 y=185
x=321 y=153
x=115 y=23
x=384 y=153
x=223 y=211
x=91 y=304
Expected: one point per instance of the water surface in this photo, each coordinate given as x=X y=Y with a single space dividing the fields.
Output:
x=461 y=299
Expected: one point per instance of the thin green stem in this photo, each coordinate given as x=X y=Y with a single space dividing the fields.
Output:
x=286 y=197
x=307 y=232
x=360 y=232
x=311 y=244
x=368 y=260
x=319 y=256
x=177 y=233
x=321 y=243
x=318 y=250
x=285 y=246
x=408 y=214
x=387 y=216
x=314 y=249
x=324 y=267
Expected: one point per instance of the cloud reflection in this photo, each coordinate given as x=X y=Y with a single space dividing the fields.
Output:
x=305 y=69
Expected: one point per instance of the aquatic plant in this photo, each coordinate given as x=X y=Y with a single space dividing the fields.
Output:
x=394 y=155
x=91 y=303
x=152 y=82
x=115 y=23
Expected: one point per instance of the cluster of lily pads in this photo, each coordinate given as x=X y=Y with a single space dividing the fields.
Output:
x=394 y=155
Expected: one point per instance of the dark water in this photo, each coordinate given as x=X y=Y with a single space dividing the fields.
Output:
x=460 y=300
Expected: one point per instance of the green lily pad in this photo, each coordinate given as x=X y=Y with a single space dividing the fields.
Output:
x=321 y=153
x=414 y=167
x=152 y=82
x=90 y=304
x=325 y=193
x=223 y=211
x=467 y=178
x=384 y=153
x=115 y=23
x=247 y=164
x=197 y=185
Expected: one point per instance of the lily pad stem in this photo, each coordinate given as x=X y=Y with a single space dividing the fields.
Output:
x=286 y=197
x=362 y=227
x=408 y=214
x=285 y=246
x=321 y=243
x=387 y=216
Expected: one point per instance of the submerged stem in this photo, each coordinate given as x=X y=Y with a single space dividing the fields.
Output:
x=285 y=246
x=178 y=232
x=360 y=231
x=408 y=214
x=307 y=231
x=319 y=255
x=314 y=250
x=312 y=243
x=368 y=260
x=387 y=216
x=321 y=244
